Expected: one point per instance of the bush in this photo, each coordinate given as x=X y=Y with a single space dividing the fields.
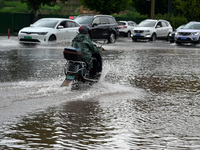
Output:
x=175 y=21
x=14 y=7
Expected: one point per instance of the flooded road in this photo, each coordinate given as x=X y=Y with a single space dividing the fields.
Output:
x=147 y=98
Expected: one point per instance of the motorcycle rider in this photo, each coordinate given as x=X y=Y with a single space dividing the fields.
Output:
x=83 y=42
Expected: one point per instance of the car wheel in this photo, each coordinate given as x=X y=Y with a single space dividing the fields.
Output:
x=112 y=38
x=52 y=38
x=153 y=37
x=128 y=34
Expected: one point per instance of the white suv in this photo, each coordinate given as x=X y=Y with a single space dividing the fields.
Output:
x=125 y=27
x=152 y=29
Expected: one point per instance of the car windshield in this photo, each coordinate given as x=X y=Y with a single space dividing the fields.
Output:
x=192 y=26
x=180 y=27
x=45 y=23
x=85 y=20
x=147 y=24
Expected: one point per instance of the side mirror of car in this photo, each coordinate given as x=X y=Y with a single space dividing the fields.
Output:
x=158 y=26
x=94 y=24
x=60 y=27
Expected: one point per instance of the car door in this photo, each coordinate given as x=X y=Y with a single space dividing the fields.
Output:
x=104 y=28
x=72 y=29
x=62 y=31
x=99 y=28
x=165 y=29
x=94 y=29
x=159 y=29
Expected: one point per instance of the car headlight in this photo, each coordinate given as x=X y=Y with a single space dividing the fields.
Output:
x=146 y=30
x=42 y=33
x=195 y=33
x=176 y=33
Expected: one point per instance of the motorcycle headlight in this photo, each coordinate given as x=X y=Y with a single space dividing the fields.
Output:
x=42 y=33
x=195 y=33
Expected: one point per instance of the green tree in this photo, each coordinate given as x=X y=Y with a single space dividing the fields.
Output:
x=106 y=6
x=189 y=8
x=35 y=5
x=144 y=6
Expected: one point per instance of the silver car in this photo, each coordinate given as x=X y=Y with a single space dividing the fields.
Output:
x=47 y=30
x=152 y=29
x=125 y=27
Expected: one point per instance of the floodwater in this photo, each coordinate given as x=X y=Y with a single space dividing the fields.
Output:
x=147 y=98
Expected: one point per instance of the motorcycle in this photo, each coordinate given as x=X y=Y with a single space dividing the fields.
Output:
x=76 y=69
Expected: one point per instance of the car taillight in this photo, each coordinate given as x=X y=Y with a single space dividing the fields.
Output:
x=124 y=26
x=71 y=17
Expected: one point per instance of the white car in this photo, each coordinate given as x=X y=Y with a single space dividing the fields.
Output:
x=152 y=29
x=125 y=27
x=47 y=30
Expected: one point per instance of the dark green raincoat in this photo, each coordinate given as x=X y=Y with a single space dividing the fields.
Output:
x=85 y=44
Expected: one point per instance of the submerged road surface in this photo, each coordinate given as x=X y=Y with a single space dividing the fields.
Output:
x=147 y=98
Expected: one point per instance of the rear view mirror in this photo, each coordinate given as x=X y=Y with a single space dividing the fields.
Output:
x=60 y=27
x=94 y=24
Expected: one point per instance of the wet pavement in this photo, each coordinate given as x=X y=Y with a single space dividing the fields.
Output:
x=147 y=98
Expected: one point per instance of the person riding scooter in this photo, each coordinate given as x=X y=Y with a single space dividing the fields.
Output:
x=83 y=42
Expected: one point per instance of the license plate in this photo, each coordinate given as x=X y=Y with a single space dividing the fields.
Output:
x=69 y=77
x=183 y=38
x=27 y=37
x=137 y=35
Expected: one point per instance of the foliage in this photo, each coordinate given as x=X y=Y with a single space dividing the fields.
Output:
x=35 y=5
x=175 y=21
x=144 y=6
x=189 y=8
x=1 y=4
x=130 y=15
x=14 y=7
x=106 y=6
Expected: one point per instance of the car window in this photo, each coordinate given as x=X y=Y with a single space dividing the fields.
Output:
x=111 y=20
x=163 y=24
x=159 y=24
x=196 y=26
x=96 y=21
x=85 y=20
x=147 y=24
x=71 y=24
x=121 y=23
x=45 y=23
x=64 y=24
x=130 y=24
x=167 y=24
x=103 y=20
x=192 y=26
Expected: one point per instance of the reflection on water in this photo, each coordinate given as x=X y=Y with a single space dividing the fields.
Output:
x=165 y=115
x=155 y=122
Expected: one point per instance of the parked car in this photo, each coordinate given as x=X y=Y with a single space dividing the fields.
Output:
x=125 y=27
x=101 y=26
x=152 y=29
x=172 y=34
x=47 y=30
x=189 y=34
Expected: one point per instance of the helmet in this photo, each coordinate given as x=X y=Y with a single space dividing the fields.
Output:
x=83 y=29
